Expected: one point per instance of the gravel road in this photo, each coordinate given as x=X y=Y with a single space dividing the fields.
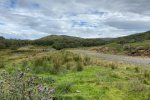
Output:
x=137 y=60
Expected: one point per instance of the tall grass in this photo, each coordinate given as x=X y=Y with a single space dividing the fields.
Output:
x=62 y=75
x=65 y=87
x=56 y=62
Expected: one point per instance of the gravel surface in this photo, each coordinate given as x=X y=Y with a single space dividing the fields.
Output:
x=137 y=60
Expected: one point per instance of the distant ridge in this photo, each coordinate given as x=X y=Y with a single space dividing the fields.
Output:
x=134 y=38
x=63 y=41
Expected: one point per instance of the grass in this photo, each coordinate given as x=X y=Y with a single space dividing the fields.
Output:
x=97 y=82
x=63 y=75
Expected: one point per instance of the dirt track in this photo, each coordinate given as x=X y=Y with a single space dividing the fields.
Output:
x=137 y=60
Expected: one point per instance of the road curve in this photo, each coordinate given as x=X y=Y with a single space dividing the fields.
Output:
x=137 y=60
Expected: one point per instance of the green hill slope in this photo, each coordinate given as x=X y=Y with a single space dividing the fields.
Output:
x=62 y=41
x=134 y=38
x=133 y=45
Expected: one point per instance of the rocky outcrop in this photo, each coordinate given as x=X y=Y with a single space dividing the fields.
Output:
x=139 y=52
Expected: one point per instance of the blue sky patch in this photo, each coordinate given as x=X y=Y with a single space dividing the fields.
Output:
x=12 y=3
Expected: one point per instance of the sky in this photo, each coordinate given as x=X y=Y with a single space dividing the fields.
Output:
x=32 y=19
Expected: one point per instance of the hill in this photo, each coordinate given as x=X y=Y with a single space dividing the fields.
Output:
x=127 y=44
x=133 y=45
x=139 y=37
x=56 y=41
x=62 y=41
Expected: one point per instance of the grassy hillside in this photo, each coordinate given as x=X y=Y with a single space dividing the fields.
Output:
x=134 y=45
x=64 y=75
x=139 y=37
x=62 y=41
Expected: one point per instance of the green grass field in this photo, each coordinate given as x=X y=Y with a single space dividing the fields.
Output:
x=62 y=75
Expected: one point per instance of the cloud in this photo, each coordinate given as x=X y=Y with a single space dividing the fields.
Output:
x=31 y=19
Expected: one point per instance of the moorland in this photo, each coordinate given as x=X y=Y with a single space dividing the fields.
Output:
x=49 y=68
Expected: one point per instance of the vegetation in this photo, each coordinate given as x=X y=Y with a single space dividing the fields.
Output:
x=12 y=43
x=65 y=75
x=133 y=45
x=57 y=42
x=124 y=45
x=32 y=70
x=134 y=38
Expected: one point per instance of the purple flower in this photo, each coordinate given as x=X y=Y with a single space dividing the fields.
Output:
x=40 y=88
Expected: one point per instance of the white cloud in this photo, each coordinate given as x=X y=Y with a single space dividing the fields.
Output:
x=31 y=19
